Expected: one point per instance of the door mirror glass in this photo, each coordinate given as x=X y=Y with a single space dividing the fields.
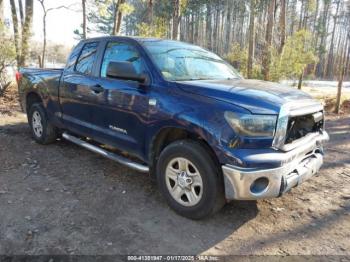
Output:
x=125 y=71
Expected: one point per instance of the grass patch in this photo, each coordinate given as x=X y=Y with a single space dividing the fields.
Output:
x=328 y=96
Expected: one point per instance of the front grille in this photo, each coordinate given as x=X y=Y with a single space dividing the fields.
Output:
x=300 y=126
x=297 y=119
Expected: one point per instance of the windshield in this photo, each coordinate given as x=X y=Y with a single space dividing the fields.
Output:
x=183 y=62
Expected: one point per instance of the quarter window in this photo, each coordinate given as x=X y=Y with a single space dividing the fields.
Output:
x=86 y=59
x=121 y=52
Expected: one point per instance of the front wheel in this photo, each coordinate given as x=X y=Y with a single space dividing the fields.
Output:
x=190 y=180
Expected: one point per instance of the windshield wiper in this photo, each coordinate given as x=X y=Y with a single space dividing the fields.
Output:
x=206 y=78
x=192 y=79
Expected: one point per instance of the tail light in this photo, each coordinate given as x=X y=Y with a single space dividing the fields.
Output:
x=18 y=76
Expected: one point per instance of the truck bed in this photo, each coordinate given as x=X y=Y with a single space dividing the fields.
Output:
x=30 y=79
x=41 y=73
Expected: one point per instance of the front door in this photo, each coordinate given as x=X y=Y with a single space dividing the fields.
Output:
x=121 y=111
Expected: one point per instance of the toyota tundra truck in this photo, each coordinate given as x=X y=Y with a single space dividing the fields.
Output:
x=181 y=114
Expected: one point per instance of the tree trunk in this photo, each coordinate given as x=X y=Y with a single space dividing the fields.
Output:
x=251 y=39
x=347 y=63
x=315 y=17
x=343 y=68
x=209 y=26
x=150 y=13
x=293 y=14
x=40 y=61
x=300 y=82
x=83 y=2
x=16 y=32
x=339 y=91
x=21 y=14
x=192 y=28
x=183 y=28
x=282 y=25
x=222 y=30
x=241 y=38
x=316 y=31
x=268 y=41
x=228 y=25
x=120 y=17
x=196 y=30
x=216 y=29
x=1 y=11
x=306 y=14
x=26 y=32
x=176 y=19
x=341 y=43
x=321 y=47
x=302 y=10
x=115 y=17
x=43 y=55
x=330 y=60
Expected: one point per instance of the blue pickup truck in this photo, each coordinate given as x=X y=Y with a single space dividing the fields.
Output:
x=181 y=114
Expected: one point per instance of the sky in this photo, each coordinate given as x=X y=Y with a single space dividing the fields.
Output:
x=60 y=23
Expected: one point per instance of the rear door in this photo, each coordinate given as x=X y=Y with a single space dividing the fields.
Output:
x=121 y=112
x=79 y=90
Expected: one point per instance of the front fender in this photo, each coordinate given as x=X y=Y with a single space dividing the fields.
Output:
x=198 y=115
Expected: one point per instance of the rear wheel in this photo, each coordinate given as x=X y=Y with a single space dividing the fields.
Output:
x=43 y=131
x=190 y=180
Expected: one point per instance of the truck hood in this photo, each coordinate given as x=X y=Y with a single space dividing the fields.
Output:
x=259 y=97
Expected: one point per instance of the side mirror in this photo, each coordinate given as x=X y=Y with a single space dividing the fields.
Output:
x=125 y=71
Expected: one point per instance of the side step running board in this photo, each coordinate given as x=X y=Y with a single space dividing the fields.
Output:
x=121 y=160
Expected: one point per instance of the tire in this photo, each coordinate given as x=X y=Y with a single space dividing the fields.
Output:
x=43 y=132
x=199 y=191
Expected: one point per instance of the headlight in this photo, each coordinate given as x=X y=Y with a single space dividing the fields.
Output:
x=252 y=125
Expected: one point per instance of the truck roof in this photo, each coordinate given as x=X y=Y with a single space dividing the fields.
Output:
x=138 y=39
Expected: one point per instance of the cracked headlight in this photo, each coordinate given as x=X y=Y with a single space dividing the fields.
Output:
x=252 y=125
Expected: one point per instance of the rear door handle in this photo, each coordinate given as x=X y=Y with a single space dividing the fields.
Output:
x=97 y=88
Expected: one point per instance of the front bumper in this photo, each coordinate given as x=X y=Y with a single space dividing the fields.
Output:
x=298 y=165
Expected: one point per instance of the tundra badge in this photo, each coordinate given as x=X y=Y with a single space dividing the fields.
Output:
x=115 y=128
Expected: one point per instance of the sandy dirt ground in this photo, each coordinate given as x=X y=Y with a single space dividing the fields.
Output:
x=62 y=199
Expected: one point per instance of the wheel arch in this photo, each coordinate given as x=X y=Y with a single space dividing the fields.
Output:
x=32 y=98
x=170 y=134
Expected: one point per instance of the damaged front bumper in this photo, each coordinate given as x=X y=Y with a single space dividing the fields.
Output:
x=297 y=166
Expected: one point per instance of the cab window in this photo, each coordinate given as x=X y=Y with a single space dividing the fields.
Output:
x=121 y=52
x=86 y=59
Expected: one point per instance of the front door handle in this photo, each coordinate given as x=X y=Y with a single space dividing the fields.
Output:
x=97 y=89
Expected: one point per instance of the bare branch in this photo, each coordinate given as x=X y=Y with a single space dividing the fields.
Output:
x=69 y=7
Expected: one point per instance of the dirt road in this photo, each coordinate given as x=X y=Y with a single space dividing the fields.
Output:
x=61 y=199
